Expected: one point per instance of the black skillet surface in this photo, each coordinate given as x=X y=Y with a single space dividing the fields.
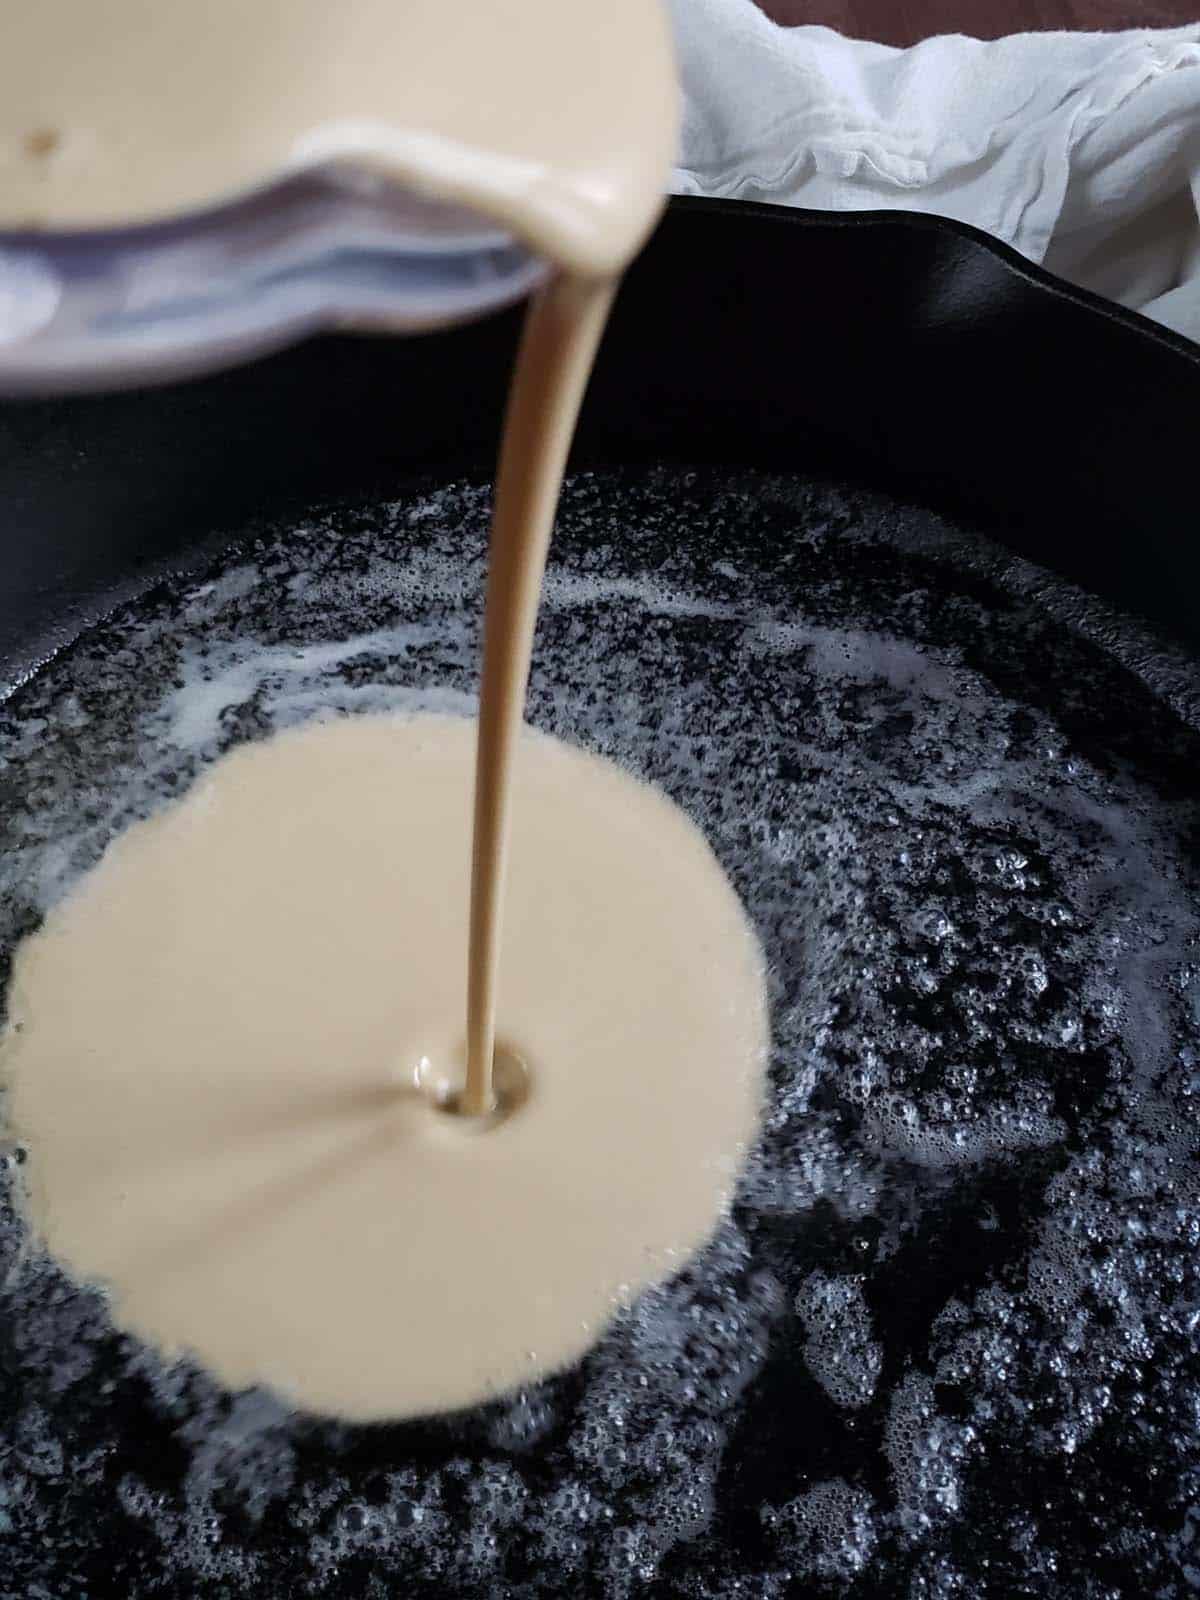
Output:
x=946 y=1345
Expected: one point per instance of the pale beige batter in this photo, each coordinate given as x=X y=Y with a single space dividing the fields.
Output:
x=221 y=1027
x=556 y=117
x=235 y=1030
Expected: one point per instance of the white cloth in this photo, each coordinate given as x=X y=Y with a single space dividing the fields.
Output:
x=1082 y=150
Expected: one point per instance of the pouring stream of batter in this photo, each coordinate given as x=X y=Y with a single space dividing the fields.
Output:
x=563 y=330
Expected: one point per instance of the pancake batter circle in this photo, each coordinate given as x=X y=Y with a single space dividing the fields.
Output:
x=220 y=1045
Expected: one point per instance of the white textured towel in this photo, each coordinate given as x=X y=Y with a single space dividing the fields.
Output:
x=1082 y=150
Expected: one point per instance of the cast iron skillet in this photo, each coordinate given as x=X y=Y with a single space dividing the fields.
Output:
x=898 y=352
x=910 y=351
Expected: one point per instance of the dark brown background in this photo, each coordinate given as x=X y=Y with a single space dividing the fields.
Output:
x=905 y=21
